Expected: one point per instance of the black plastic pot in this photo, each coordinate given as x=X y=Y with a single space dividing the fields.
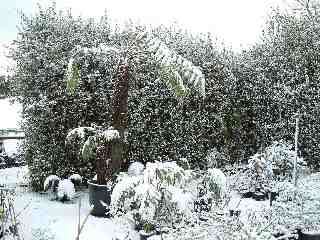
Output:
x=145 y=236
x=308 y=236
x=247 y=195
x=235 y=213
x=259 y=196
x=273 y=196
x=97 y=194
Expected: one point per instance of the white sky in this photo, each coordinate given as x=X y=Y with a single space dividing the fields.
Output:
x=236 y=22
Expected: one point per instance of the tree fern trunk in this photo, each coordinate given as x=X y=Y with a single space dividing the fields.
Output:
x=103 y=157
x=120 y=113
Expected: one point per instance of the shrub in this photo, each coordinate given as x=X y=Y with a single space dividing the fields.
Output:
x=164 y=194
x=276 y=159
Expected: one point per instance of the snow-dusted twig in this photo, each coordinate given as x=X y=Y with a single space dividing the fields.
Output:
x=24 y=208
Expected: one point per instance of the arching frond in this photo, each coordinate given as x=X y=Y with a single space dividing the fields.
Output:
x=73 y=70
x=175 y=70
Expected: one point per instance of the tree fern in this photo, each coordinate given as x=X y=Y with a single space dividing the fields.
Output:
x=174 y=69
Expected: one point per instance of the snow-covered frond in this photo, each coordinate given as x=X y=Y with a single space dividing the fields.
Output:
x=135 y=169
x=123 y=192
x=80 y=132
x=148 y=197
x=73 y=71
x=66 y=190
x=177 y=67
x=72 y=75
x=110 y=134
x=282 y=156
x=167 y=173
x=49 y=181
x=173 y=80
x=75 y=177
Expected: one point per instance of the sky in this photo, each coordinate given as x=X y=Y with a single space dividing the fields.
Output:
x=238 y=23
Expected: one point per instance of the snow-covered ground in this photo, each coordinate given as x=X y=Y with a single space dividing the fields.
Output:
x=43 y=218
x=56 y=220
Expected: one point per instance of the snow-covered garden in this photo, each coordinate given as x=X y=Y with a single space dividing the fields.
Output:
x=169 y=202
x=142 y=132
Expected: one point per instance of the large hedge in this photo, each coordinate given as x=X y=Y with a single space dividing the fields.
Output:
x=244 y=108
x=283 y=74
x=158 y=127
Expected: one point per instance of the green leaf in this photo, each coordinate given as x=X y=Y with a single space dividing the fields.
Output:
x=173 y=80
x=72 y=76
x=89 y=148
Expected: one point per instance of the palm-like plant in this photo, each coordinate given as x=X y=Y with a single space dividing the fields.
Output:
x=176 y=71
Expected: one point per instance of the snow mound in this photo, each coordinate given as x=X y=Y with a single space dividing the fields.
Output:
x=49 y=181
x=75 y=178
x=66 y=190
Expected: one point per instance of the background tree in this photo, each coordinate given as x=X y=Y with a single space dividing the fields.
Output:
x=283 y=72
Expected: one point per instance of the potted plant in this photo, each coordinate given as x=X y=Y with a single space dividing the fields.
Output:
x=174 y=70
x=101 y=147
x=147 y=231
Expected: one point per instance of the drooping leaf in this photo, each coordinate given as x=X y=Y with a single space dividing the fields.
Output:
x=89 y=148
x=72 y=76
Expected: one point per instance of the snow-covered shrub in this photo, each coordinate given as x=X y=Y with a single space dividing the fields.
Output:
x=94 y=146
x=215 y=182
x=75 y=178
x=264 y=167
x=66 y=190
x=161 y=188
x=211 y=189
x=215 y=159
x=259 y=171
x=123 y=193
x=282 y=156
x=51 y=182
